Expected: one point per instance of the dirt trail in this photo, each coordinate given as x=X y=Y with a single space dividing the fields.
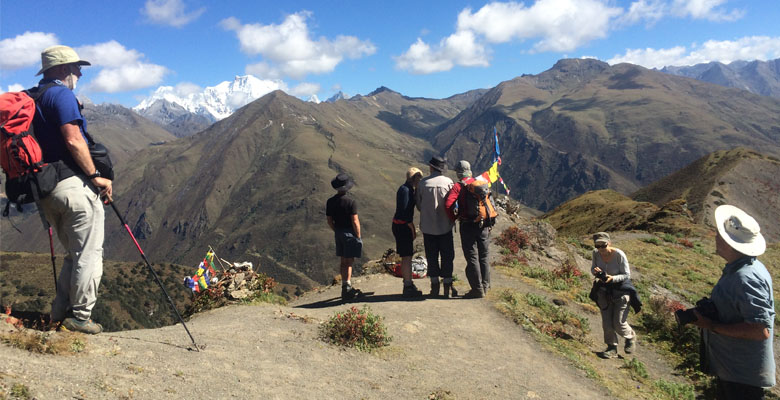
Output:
x=461 y=346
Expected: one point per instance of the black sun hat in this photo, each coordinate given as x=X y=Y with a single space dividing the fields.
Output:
x=342 y=182
x=438 y=163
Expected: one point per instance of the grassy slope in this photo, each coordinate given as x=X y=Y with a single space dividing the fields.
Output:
x=666 y=268
x=128 y=296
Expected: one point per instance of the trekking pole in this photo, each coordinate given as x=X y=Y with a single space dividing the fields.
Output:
x=47 y=226
x=53 y=259
x=156 y=278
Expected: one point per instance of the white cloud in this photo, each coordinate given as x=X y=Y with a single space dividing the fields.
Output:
x=24 y=50
x=556 y=25
x=551 y=26
x=645 y=10
x=559 y=25
x=288 y=49
x=704 y=9
x=122 y=69
x=185 y=89
x=305 y=89
x=14 y=87
x=128 y=77
x=169 y=12
x=421 y=59
x=460 y=48
x=726 y=51
x=109 y=54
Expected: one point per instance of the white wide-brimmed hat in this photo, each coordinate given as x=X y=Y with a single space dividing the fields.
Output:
x=739 y=230
x=58 y=55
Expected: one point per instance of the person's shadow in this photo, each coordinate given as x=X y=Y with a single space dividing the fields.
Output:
x=367 y=297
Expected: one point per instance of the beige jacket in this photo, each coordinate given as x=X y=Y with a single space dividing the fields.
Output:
x=430 y=196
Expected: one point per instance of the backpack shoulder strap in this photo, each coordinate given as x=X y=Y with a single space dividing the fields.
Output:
x=38 y=91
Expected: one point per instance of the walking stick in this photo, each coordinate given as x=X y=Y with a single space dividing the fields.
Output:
x=47 y=226
x=156 y=278
x=53 y=258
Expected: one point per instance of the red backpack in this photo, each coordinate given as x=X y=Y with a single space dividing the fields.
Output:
x=28 y=178
x=474 y=203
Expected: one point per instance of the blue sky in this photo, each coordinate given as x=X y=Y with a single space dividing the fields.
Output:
x=429 y=49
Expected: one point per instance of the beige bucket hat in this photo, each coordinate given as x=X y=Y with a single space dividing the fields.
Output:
x=412 y=171
x=58 y=55
x=739 y=230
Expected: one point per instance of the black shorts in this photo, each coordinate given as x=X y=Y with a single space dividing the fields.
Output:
x=348 y=245
x=404 y=242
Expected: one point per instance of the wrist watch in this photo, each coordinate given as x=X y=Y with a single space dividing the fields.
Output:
x=95 y=175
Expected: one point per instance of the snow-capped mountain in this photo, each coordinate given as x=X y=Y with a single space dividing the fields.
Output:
x=214 y=102
x=338 y=96
x=314 y=99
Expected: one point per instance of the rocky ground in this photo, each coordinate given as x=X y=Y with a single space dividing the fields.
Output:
x=463 y=347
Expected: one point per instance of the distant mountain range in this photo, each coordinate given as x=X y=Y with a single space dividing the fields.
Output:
x=585 y=125
x=759 y=77
x=167 y=107
x=253 y=185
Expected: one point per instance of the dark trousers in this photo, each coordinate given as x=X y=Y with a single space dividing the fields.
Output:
x=436 y=245
x=475 y=242
x=738 y=391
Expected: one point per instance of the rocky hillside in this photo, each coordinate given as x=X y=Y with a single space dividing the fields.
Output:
x=742 y=177
x=585 y=125
x=254 y=185
x=759 y=77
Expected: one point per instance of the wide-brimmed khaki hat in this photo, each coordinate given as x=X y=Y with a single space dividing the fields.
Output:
x=59 y=55
x=412 y=172
x=739 y=230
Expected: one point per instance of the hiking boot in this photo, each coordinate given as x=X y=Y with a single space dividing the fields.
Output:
x=79 y=325
x=474 y=294
x=411 y=291
x=434 y=289
x=447 y=288
x=610 y=352
x=348 y=293
x=630 y=345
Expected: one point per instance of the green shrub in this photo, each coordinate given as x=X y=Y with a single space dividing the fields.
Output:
x=675 y=390
x=654 y=240
x=359 y=328
x=635 y=368
x=549 y=319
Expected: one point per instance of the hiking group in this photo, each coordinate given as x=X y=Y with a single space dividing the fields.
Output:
x=55 y=165
x=441 y=203
x=737 y=330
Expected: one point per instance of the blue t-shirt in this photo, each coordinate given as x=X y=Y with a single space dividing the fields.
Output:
x=743 y=293
x=56 y=107
x=404 y=203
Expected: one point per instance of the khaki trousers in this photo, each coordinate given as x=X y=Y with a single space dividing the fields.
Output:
x=614 y=316
x=75 y=211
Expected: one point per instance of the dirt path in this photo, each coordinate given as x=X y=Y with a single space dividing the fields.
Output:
x=464 y=347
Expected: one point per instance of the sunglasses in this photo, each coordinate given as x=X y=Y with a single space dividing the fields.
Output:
x=601 y=246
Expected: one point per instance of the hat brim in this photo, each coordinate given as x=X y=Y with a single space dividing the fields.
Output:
x=79 y=62
x=440 y=169
x=345 y=188
x=754 y=248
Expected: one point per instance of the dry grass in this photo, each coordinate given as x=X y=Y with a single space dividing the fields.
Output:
x=55 y=343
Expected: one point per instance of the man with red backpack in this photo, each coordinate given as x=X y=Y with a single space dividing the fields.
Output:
x=469 y=202
x=74 y=207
